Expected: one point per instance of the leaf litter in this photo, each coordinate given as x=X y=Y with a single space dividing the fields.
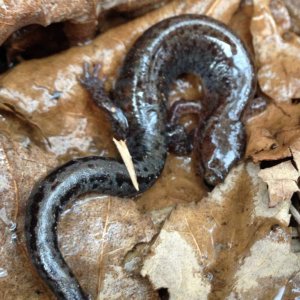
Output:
x=231 y=243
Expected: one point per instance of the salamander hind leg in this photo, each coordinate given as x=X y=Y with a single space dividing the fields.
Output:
x=180 y=141
x=95 y=86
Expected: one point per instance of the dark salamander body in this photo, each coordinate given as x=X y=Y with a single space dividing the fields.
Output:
x=182 y=44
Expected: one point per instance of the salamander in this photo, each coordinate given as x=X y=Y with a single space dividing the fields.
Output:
x=138 y=111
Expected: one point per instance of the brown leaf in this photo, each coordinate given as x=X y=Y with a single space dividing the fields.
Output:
x=95 y=235
x=178 y=183
x=280 y=14
x=277 y=54
x=240 y=23
x=81 y=17
x=26 y=119
x=271 y=133
x=20 y=169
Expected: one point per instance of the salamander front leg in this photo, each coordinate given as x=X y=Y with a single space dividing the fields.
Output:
x=95 y=86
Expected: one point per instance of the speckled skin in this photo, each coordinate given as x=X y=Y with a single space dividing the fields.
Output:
x=182 y=44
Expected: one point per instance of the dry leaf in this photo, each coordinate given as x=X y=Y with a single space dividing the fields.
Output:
x=271 y=133
x=277 y=53
x=25 y=119
x=282 y=182
x=282 y=179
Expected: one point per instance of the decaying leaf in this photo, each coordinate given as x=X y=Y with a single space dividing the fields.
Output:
x=281 y=15
x=228 y=246
x=266 y=270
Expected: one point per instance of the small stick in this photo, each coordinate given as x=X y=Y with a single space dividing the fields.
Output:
x=127 y=159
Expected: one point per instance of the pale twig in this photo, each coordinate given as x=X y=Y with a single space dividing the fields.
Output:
x=127 y=159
